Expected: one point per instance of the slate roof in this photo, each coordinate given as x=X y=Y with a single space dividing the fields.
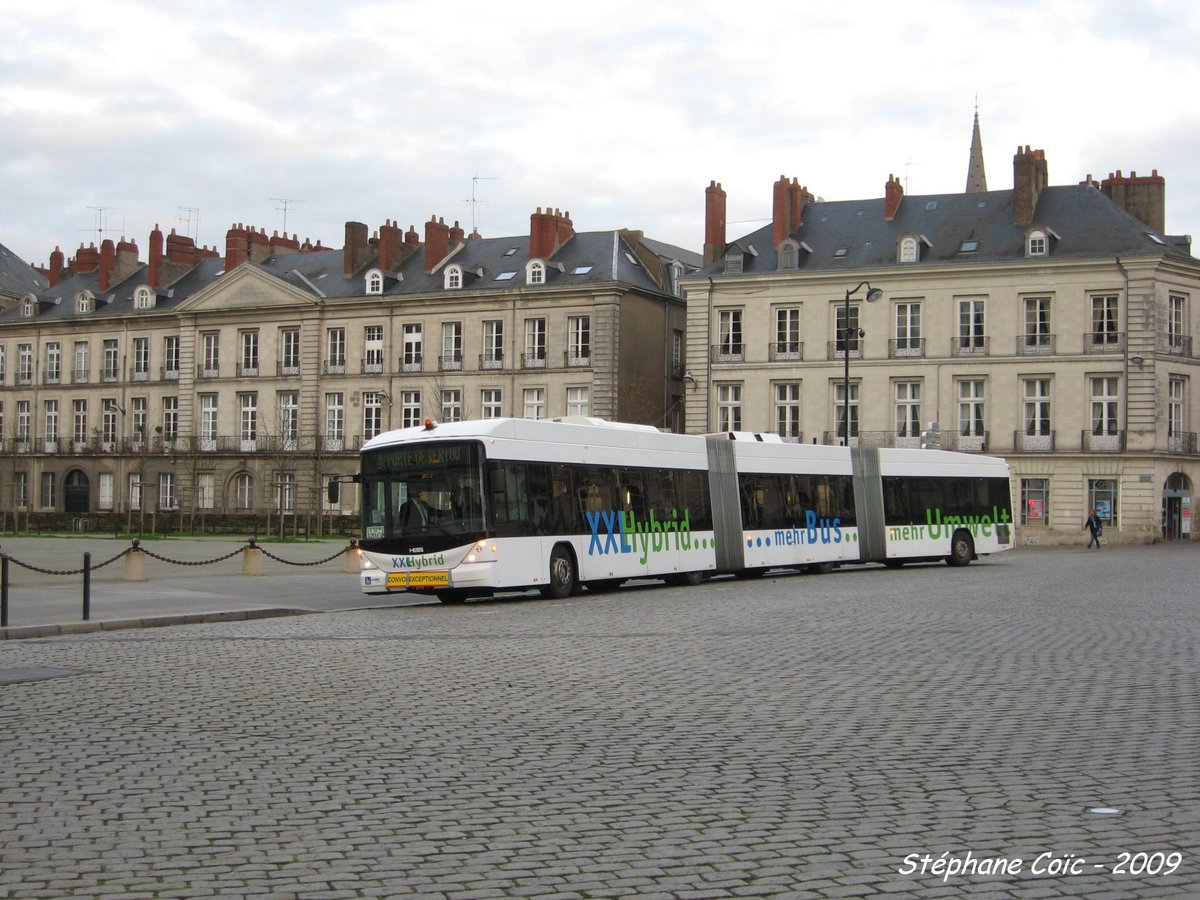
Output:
x=605 y=252
x=1087 y=223
x=17 y=277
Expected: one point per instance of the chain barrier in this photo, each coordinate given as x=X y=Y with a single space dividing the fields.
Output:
x=252 y=544
x=42 y=571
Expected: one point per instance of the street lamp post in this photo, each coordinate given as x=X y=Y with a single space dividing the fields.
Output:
x=872 y=295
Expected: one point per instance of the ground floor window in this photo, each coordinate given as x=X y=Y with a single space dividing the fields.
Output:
x=1102 y=497
x=1035 y=501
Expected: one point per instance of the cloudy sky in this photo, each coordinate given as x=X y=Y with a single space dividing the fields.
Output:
x=120 y=115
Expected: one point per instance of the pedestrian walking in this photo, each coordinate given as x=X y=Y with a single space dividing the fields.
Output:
x=1093 y=525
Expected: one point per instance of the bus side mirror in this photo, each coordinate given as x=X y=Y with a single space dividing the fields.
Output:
x=334 y=489
x=496 y=481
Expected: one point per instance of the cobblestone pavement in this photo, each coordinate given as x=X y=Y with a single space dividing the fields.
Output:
x=854 y=734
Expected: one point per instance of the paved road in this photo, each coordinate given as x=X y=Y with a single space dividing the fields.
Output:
x=194 y=577
x=798 y=736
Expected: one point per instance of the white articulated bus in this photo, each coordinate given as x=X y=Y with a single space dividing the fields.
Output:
x=467 y=509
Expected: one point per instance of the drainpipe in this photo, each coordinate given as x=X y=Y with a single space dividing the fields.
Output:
x=1124 y=391
x=708 y=359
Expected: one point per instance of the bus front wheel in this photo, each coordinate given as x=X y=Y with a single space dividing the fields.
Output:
x=962 y=549
x=562 y=574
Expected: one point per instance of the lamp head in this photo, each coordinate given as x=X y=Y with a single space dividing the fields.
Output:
x=873 y=294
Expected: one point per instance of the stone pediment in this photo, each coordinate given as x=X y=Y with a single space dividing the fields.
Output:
x=247 y=289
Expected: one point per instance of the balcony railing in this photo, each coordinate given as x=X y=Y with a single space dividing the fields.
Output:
x=729 y=352
x=905 y=347
x=969 y=346
x=334 y=366
x=1103 y=341
x=287 y=368
x=577 y=359
x=80 y=376
x=1033 y=443
x=50 y=378
x=1182 y=442
x=168 y=373
x=786 y=351
x=534 y=360
x=1036 y=345
x=136 y=374
x=493 y=359
x=410 y=362
x=372 y=367
x=1102 y=441
x=965 y=441
x=836 y=349
x=247 y=371
x=1178 y=344
x=452 y=362
x=207 y=371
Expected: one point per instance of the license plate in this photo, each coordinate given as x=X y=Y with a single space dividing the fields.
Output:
x=418 y=579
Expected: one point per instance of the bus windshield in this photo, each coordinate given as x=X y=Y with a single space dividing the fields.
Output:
x=427 y=493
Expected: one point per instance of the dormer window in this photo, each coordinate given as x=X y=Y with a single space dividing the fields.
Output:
x=143 y=298
x=789 y=256
x=29 y=308
x=535 y=272
x=84 y=302
x=1037 y=243
x=453 y=278
x=374 y=282
x=733 y=262
x=907 y=252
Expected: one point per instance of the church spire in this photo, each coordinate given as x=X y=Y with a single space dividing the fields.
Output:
x=976 y=178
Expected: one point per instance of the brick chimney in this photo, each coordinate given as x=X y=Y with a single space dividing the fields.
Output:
x=127 y=260
x=260 y=245
x=357 y=250
x=154 y=270
x=437 y=242
x=800 y=198
x=714 y=222
x=87 y=259
x=1029 y=177
x=893 y=193
x=391 y=242
x=781 y=215
x=411 y=238
x=237 y=247
x=56 y=266
x=548 y=231
x=456 y=235
x=1144 y=197
x=108 y=263
x=282 y=245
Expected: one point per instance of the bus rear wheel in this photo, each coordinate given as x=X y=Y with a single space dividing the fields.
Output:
x=452 y=596
x=562 y=574
x=962 y=549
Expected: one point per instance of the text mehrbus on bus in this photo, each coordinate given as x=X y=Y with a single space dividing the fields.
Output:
x=466 y=509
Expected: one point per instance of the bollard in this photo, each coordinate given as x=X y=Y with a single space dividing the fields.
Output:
x=352 y=563
x=3 y=590
x=135 y=562
x=87 y=587
x=252 y=559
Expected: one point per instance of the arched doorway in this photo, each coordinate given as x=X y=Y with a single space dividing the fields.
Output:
x=1177 y=508
x=77 y=492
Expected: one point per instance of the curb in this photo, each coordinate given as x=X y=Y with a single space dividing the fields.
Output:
x=23 y=632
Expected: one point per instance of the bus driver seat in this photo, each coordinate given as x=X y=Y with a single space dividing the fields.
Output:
x=414 y=512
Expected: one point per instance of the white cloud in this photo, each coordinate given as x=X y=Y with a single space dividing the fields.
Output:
x=620 y=114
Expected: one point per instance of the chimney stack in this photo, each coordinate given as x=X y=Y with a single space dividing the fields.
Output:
x=127 y=259
x=437 y=242
x=391 y=241
x=56 y=266
x=548 y=231
x=1029 y=177
x=1144 y=197
x=357 y=251
x=237 y=247
x=893 y=193
x=87 y=259
x=456 y=235
x=714 y=222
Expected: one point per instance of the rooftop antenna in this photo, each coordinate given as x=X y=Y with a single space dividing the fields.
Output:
x=186 y=214
x=101 y=228
x=286 y=202
x=475 y=201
